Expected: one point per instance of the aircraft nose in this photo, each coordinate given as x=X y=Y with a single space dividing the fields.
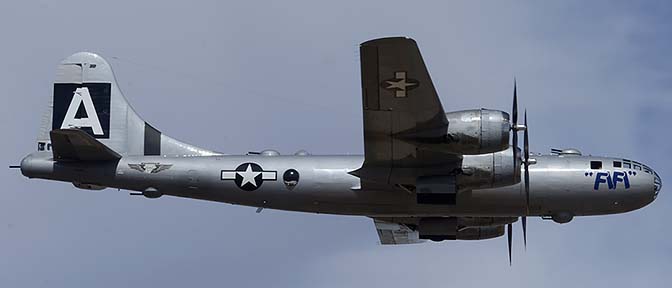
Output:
x=657 y=184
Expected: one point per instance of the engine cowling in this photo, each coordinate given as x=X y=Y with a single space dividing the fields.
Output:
x=485 y=221
x=438 y=229
x=489 y=170
x=480 y=233
x=449 y=228
x=477 y=131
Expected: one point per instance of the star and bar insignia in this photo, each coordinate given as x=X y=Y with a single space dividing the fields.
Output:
x=249 y=176
x=400 y=84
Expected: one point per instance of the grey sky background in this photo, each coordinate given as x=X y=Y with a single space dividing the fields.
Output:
x=245 y=76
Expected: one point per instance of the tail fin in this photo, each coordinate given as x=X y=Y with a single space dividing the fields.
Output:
x=86 y=96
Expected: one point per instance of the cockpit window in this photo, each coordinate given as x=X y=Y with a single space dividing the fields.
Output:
x=617 y=164
x=627 y=165
x=637 y=167
x=595 y=164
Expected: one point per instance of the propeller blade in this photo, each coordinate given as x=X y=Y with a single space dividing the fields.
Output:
x=524 y=221
x=509 y=227
x=515 y=105
x=514 y=124
x=517 y=158
x=526 y=147
x=516 y=152
x=526 y=144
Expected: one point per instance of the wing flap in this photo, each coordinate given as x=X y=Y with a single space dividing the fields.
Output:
x=391 y=233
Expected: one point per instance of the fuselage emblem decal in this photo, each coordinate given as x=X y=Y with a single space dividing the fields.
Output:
x=150 y=167
x=249 y=176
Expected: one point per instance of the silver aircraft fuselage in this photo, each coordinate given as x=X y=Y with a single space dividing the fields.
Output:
x=425 y=174
x=558 y=184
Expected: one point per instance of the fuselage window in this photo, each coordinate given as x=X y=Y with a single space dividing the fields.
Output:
x=595 y=164
x=617 y=164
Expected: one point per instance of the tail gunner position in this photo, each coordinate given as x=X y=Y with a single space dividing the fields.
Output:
x=425 y=174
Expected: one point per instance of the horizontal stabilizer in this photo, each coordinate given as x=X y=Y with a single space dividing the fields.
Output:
x=77 y=145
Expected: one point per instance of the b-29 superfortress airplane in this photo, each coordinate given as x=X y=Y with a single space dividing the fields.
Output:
x=425 y=174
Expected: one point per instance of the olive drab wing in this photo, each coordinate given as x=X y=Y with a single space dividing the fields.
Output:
x=401 y=111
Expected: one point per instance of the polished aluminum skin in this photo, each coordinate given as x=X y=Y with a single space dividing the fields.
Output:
x=558 y=184
x=425 y=174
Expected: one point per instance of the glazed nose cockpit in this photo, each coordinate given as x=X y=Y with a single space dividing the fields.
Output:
x=635 y=167
x=657 y=184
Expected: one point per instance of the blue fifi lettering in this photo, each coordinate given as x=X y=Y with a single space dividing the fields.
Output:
x=612 y=181
x=602 y=177
x=621 y=177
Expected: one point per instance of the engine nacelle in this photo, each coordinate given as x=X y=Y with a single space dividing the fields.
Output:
x=480 y=233
x=440 y=229
x=479 y=131
x=485 y=221
x=490 y=170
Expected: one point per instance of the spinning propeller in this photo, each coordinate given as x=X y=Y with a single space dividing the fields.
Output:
x=515 y=128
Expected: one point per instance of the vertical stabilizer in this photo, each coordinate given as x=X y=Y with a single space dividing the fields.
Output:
x=86 y=96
